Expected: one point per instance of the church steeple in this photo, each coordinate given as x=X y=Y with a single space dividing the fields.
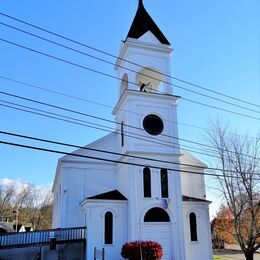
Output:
x=143 y=23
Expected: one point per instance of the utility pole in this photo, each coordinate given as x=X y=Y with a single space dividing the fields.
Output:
x=16 y=212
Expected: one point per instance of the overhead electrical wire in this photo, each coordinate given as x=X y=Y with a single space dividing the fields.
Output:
x=97 y=126
x=107 y=120
x=115 y=56
x=114 y=77
x=91 y=101
x=100 y=104
x=120 y=162
x=93 y=116
x=117 y=153
x=168 y=83
x=56 y=116
x=128 y=69
x=75 y=121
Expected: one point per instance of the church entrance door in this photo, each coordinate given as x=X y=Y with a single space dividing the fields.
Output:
x=156 y=226
x=159 y=232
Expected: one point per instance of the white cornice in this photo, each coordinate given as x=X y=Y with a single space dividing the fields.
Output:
x=134 y=93
x=136 y=43
x=102 y=201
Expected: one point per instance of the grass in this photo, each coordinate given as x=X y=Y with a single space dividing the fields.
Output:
x=219 y=257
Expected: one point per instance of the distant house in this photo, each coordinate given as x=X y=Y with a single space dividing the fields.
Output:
x=9 y=227
x=22 y=228
x=6 y=227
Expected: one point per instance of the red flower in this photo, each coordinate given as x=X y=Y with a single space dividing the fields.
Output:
x=150 y=250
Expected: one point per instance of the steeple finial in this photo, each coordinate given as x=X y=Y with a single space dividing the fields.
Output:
x=140 y=3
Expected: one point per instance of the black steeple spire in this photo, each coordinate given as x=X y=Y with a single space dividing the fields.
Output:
x=143 y=23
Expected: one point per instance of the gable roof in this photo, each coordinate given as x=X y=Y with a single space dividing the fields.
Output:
x=102 y=143
x=110 y=195
x=188 y=158
x=187 y=198
x=8 y=226
x=86 y=150
x=143 y=23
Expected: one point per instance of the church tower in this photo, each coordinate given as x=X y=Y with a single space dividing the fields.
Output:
x=146 y=119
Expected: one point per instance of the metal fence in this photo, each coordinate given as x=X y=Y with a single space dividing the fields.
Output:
x=42 y=237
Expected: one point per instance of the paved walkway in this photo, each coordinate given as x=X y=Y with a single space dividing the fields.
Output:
x=232 y=255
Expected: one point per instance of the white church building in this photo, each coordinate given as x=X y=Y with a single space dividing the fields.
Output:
x=145 y=187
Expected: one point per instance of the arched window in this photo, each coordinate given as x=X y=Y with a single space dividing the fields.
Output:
x=156 y=215
x=108 y=228
x=193 y=227
x=147 y=182
x=164 y=183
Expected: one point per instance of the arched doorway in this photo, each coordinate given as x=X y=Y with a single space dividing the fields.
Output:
x=156 y=226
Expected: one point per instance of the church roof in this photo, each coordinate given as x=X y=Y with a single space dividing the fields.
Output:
x=8 y=226
x=110 y=195
x=143 y=23
x=187 y=198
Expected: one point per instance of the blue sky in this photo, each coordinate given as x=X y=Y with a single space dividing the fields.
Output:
x=216 y=45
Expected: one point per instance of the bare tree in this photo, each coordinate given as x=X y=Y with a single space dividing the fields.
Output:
x=33 y=205
x=12 y=199
x=6 y=197
x=38 y=207
x=238 y=157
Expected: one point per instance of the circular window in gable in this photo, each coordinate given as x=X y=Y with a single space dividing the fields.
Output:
x=153 y=124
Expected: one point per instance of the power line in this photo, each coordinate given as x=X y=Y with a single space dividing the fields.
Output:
x=52 y=115
x=91 y=101
x=97 y=126
x=115 y=56
x=100 y=104
x=195 y=102
x=114 y=77
x=75 y=121
x=80 y=122
x=115 y=161
x=89 y=126
x=70 y=154
x=107 y=120
x=95 y=117
x=112 y=63
x=115 y=153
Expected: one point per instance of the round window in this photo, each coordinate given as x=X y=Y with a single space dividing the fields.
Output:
x=153 y=124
